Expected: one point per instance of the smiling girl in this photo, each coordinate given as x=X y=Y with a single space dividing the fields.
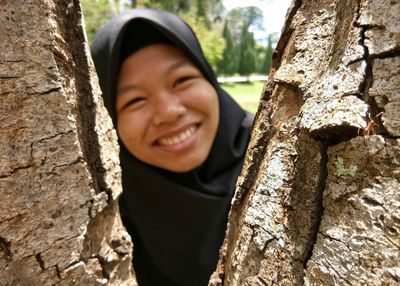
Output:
x=182 y=140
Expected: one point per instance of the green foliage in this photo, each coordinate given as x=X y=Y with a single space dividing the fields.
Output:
x=201 y=13
x=250 y=15
x=247 y=61
x=210 y=10
x=239 y=21
x=267 y=61
x=215 y=10
x=211 y=42
x=235 y=51
x=254 y=17
x=96 y=13
x=230 y=61
x=171 y=6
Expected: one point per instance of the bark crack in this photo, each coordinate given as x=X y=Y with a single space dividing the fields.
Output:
x=50 y=90
x=367 y=82
x=43 y=161
x=13 y=171
x=334 y=239
x=395 y=52
x=77 y=161
x=257 y=151
x=268 y=242
x=365 y=85
x=320 y=208
x=40 y=261
x=9 y=77
x=103 y=263
x=5 y=248
x=72 y=264
x=14 y=61
x=58 y=271
x=10 y=218
x=262 y=281
x=54 y=136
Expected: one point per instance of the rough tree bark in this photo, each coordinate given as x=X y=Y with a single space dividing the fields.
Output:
x=59 y=174
x=318 y=202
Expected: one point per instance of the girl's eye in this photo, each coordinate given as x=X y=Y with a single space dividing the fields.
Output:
x=134 y=102
x=182 y=80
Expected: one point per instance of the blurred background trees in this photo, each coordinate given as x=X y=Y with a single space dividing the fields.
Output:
x=227 y=37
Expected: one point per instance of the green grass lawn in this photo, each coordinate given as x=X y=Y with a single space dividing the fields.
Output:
x=246 y=94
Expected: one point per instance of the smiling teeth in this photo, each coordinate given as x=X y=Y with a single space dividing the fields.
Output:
x=178 y=138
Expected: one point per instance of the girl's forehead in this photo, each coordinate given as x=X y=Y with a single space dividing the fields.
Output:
x=168 y=56
x=151 y=62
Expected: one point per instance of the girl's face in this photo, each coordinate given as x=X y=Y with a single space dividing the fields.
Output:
x=167 y=112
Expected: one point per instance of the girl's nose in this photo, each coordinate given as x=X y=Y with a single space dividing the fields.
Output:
x=168 y=109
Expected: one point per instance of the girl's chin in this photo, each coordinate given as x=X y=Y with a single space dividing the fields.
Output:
x=181 y=167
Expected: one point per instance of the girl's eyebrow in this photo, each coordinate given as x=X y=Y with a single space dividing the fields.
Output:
x=128 y=87
x=179 y=64
x=131 y=87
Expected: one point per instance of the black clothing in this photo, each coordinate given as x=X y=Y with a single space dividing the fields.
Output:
x=177 y=220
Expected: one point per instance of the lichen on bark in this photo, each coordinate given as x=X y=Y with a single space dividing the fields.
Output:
x=359 y=239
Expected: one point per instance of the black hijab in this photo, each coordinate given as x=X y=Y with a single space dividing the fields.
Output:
x=177 y=220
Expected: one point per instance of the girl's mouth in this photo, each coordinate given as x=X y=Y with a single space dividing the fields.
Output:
x=179 y=138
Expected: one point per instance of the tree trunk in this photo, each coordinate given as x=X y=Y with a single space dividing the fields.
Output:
x=318 y=202
x=59 y=174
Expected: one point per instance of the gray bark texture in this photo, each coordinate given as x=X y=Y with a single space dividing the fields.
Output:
x=59 y=166
x=318 y=201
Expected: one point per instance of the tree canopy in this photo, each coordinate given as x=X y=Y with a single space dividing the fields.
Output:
x=228 y=44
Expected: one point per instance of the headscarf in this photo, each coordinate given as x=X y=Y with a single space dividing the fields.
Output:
x=177 y=220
